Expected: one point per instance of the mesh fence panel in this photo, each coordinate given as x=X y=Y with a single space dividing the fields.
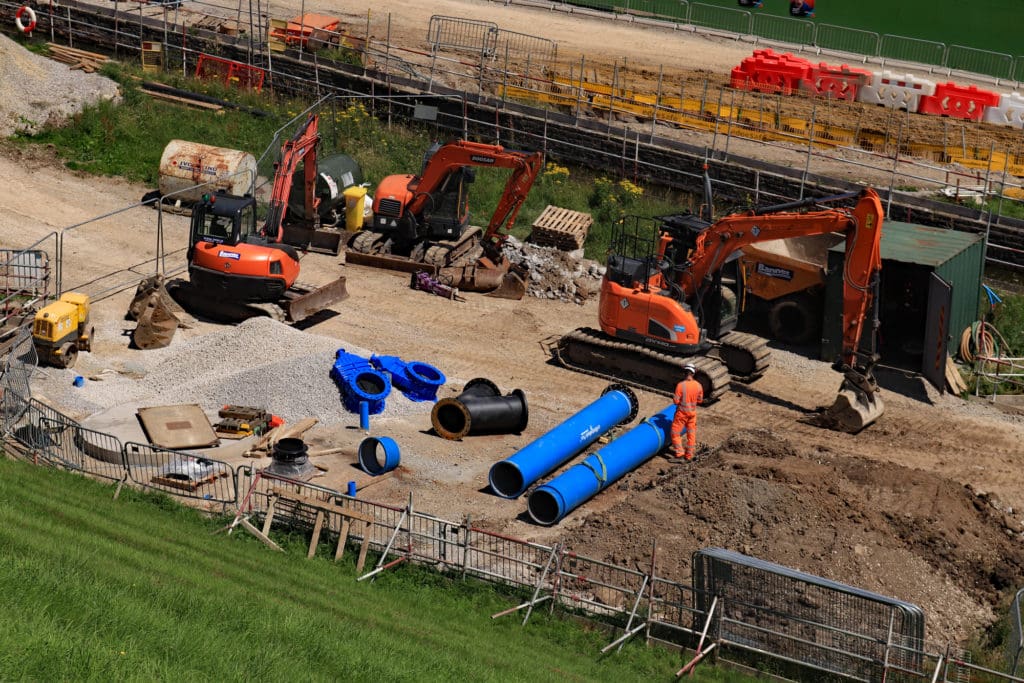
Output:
x=454 y=33
x=806 y=618
x=1015 y=640
x=846 y=39
x=912 y=50
x=597 y=587
x=180 y=473
x=720 y=18
x=979 y=61
x=783 y=29
x=508 y=560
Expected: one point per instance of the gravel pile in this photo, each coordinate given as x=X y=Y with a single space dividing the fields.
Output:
x=260 y=363
x=556 y=274
x=40 y=91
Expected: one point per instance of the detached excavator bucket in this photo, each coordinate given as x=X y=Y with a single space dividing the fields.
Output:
x=512 y=286
x=156 y=323
x=853 y=409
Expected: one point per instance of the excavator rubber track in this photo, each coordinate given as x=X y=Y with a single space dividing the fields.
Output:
x=746 y=355
x=442 y=254
x=594 y=353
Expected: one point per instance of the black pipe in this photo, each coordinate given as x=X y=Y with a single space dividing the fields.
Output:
x=480 y=409
x=199 y=97
x=811 y=201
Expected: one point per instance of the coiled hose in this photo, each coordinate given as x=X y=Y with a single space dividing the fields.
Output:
x=980 y=340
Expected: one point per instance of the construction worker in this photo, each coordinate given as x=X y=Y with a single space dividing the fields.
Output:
x=689 y=393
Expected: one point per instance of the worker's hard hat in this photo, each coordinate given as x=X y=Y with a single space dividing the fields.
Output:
x=689 y=367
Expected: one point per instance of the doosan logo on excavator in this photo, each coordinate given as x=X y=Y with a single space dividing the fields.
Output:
x=481 y=159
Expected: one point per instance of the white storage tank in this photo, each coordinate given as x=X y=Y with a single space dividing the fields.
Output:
x=186 y=165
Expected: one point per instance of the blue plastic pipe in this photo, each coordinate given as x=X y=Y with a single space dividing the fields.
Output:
x=372 y=449
x=549 y=503
x=617 y=405
x=364 y=416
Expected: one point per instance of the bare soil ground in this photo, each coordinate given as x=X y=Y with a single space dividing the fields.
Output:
x=926 y=505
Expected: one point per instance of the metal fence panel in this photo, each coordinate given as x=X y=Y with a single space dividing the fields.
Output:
x=1015 y=639
x=460 y=34
x=782 y=29
x=720 y=18
x=912 y=50
x=504 y=559
x=977 y=61
x=180 y=473
x=808 y=619
x=538 y=51
x=597 y=587
x=24 y=279
x=673 y=10
x=1018 y=69
x=859 y=42
x=77 y=448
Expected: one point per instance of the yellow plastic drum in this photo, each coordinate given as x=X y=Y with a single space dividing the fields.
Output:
x=355 y=198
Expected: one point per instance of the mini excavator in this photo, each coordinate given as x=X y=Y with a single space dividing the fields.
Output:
x=671 y=299
x=238 y=269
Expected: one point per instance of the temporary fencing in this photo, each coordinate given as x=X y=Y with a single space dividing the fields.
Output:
x=1015 y=640
x=736 y=604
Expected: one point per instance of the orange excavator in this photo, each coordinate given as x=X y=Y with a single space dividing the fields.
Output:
x=237 y=269
x=425 y=218
x=669 y=297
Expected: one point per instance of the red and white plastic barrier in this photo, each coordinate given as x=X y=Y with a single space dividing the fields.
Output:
x=959 y=101
x=898 y=91
x=768 y=71
x=1009 y=111
x=837 y=82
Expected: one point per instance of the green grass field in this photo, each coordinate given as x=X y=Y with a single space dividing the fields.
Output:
x=140 y=589
x=987 y=25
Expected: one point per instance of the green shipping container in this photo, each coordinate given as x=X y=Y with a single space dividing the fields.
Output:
x=912 y=309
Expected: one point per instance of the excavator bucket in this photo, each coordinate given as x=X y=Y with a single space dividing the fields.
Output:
x=156 y=323
x=512 y=286
x=301 y=302
x=853 y=409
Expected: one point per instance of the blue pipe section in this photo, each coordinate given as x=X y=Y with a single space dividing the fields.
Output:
x=549 y=503
x=364 y=416
x=418 y=381
x=359 y=382
x=509 y=478
x=370 y=451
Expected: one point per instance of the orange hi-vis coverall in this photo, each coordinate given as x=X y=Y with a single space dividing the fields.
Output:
x=688 y=394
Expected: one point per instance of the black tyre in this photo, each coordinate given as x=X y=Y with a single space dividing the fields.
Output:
x=795 y=320
x=69 y=355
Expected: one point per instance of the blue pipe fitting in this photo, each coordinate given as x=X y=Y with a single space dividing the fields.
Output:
x=370 y=451
x=417 y=380
x=549 y=503
x=359 y=382
x=364 y=416
x=617 y=405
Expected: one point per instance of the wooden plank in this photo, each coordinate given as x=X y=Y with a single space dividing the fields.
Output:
x=363 y=548
x=321 y=504
x=270 y=515
x=259 y=534
x=183 y=100
x=318 y=526
x=342 y=538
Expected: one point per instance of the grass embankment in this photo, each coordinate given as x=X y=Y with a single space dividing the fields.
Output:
x=139 y=589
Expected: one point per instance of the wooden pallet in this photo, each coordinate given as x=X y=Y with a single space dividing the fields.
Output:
x=561 y=228
x=77 y=59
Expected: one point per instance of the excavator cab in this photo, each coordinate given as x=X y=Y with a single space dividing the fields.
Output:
x=224 y=219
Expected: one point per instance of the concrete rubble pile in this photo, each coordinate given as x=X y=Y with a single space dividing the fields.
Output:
x=556 y=274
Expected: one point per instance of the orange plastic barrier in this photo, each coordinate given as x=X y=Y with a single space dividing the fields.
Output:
x=768 y=71
x=230 y=73
x=838 y=82
x=958 y=101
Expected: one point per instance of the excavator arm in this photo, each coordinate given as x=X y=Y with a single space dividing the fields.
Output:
x=460 y=153
x=302 y=146
x=858 y=403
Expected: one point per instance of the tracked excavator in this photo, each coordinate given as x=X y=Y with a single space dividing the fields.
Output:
x=425 y=218
x=669 y=298
x=238 y=269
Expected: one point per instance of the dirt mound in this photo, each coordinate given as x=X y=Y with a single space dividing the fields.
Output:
x=878 y=527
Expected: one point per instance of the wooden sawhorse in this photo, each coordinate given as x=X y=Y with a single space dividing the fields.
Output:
x=323 y=508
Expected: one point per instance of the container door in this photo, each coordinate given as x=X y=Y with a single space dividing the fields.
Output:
x=936 y=332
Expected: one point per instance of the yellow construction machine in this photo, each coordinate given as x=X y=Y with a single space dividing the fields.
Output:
x=61 y=329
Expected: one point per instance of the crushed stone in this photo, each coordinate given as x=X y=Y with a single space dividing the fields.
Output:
x=260 y=362
x=555 y=274
x=44 y=92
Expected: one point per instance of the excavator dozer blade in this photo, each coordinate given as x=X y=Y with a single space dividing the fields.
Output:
x=853 y=410
x=300 y=303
